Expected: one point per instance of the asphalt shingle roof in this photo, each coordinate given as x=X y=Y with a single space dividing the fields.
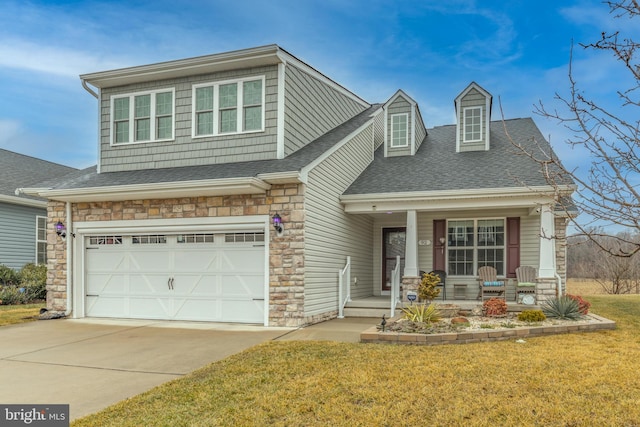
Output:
x=89 y=178
x=18 y=170
x=436 y=166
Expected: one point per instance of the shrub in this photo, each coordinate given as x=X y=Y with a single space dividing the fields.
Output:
x=422 y=313
x=8 y=276
x=494 y=307
x=583 y=305
x=531 y=316
x=428 y=291
x=34 y=280
x=11 y=295
x=563 y=307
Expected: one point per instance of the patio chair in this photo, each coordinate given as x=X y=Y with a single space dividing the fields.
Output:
x=526 y=285
x=490 y=286
x=443 y=278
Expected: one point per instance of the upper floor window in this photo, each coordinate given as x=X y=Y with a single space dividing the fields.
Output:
x=228 y=107
x=472 y=124
x=142 y=117
x=399 y=130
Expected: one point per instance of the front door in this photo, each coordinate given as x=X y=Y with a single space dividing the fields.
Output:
x=393 y=245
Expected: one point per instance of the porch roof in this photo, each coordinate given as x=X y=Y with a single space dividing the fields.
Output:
x=437 y=168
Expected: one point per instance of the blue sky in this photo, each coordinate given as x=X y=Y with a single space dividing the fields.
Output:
x=517 y=50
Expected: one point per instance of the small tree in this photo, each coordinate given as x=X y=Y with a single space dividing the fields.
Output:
x=607 y=193
x=428 y=290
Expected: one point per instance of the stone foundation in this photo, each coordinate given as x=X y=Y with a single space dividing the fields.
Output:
x=410 y=284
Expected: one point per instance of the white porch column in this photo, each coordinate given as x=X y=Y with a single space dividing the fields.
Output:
x=411 y=249
x=547 y=243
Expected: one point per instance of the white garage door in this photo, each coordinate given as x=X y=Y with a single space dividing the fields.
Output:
x=205 y=277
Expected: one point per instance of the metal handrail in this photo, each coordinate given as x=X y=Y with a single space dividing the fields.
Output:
x=395 y=287
x=344 y=281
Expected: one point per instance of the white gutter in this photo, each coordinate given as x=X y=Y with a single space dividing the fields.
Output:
x=88 y=89
x=159 y=190
x=22 y=201
x=542 y=190
x=69 y=243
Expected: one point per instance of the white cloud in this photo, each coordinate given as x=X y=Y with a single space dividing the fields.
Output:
x=25 y=55
x=8 y=130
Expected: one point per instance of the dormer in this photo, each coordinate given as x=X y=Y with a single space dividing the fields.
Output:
x=404 y=129
x=473 y=115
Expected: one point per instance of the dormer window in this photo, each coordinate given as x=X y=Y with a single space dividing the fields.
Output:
x=228 y=107
x=142 y=117
x=399 y=130
x=472 y=124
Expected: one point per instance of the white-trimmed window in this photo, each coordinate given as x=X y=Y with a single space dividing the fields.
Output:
x=228 y=107
x=143 y=117
x=41 y=239
x=472 y=124
x=473 y=243
x=399 y=130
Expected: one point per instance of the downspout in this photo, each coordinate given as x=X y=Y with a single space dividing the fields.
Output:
x=88 y=89
x=69 y=243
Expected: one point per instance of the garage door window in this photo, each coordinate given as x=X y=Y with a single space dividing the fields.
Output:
x=105 y=240
x=195 y=238
x=243 y=237
x=150 y=239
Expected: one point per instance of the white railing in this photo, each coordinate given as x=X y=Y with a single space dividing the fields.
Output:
x=344 y=287
x=395 y=287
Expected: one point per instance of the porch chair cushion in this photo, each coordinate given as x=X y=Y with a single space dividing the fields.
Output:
x=497 y=283
x=526 y=285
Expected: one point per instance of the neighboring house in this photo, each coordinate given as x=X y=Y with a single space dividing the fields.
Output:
x=23 y=218
x=198 y=158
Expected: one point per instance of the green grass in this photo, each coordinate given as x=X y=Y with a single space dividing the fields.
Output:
x=562 y=380
x=12 y=314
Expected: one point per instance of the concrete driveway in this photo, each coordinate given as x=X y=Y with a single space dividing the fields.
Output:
x=91 y=364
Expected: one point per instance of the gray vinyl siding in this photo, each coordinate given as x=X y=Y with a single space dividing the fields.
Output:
x=330 y=234
x=18 y=229
x=473 y=99
x=529 y=242
x=312 y=108
x=399 y=106
x=185 y=151
x=420 y=129
x=378 y=138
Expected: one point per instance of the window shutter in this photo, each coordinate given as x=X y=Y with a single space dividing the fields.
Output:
x=513 y=245
x=439 y=230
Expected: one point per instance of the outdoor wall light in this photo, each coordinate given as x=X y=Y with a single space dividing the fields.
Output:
x=61 y=230
x=277 y=223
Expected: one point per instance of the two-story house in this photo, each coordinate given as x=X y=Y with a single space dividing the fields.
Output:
x=249 y=187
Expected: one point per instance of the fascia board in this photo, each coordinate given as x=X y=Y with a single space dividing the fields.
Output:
x=458 y=199
x=401 y=93
x=163 y=190
x=290 y=177
x=246 y=58
x=23 y=202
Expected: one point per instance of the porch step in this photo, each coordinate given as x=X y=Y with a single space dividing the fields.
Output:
x=367 y=312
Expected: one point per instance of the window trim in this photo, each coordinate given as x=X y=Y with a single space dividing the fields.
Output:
x=464 y=124
x=132 y=119
x=240 y=107
x=406 y=138
x=44 y=218
x=476 y=246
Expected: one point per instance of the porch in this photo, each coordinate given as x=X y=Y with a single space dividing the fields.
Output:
x=376 y=306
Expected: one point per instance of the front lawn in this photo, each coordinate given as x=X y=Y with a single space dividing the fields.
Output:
x=561 y=380
x=11 y=314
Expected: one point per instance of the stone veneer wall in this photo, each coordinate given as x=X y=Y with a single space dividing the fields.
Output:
x=286 y=261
